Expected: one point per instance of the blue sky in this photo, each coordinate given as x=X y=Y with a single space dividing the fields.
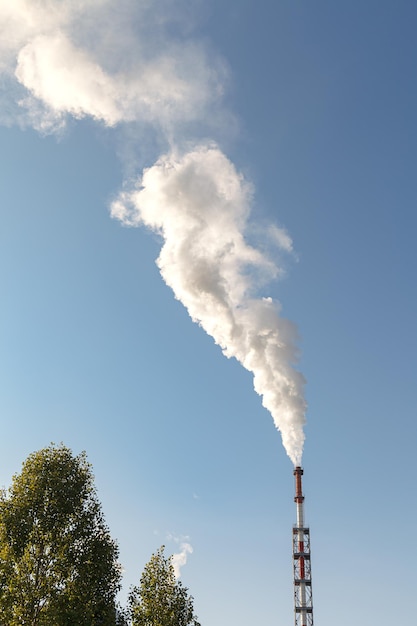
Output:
x=318 y=113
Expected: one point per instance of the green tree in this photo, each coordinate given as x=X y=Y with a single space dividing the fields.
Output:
x=161 y=600
x=58 y=563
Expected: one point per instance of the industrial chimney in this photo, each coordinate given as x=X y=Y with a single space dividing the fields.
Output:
x=303 y=597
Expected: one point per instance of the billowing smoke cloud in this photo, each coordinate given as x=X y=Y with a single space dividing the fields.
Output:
x=90 y=58
x=200 y=205
x=118 y=65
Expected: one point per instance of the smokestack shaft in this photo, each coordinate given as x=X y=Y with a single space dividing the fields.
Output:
x=301 y=557
x=299 y=498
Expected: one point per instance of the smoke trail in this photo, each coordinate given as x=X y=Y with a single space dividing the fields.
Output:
x=89 y=58
x=200 y=205
x=84 y=58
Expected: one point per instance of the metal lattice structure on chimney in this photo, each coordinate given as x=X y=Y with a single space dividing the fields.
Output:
x=303 y=597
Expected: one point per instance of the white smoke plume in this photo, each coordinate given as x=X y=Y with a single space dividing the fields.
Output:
x=200 y=205
x=137 y=63
x=89 y=58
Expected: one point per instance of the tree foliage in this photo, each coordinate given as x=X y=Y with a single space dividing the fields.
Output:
x=161 y=600
x=58 y=563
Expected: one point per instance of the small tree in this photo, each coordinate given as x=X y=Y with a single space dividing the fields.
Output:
x=161 y=600
x=58 y=563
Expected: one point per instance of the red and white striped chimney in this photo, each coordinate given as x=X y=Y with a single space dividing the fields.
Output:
x=303 y=598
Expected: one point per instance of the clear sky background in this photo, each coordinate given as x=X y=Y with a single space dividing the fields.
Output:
x=319 y=113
